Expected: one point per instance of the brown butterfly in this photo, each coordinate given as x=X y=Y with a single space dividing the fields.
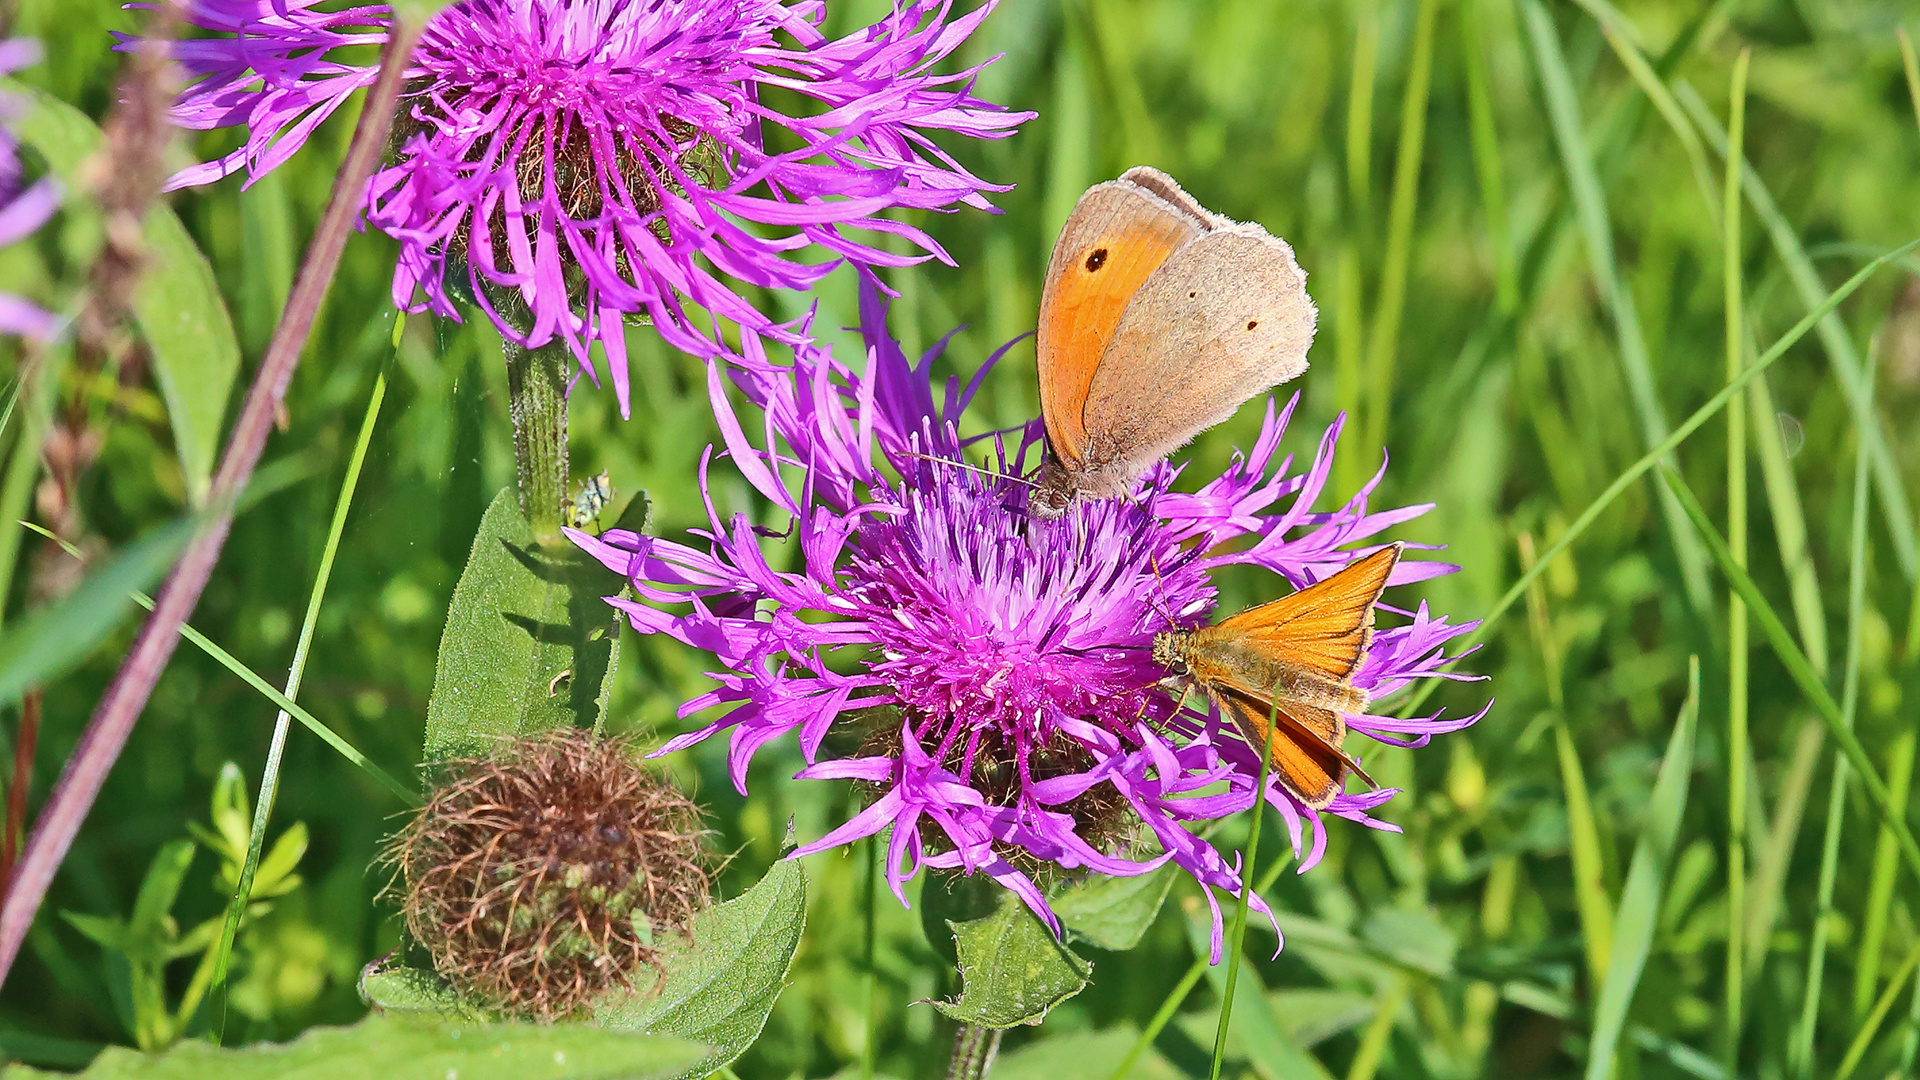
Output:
x=1291 y=660
x=1158 y=319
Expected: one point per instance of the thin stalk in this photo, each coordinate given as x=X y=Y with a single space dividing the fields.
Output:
x=270 y=773
x=537 y=401
x=1800 y=1040
x=1239 y=932
x=127 y=695
x=1737 y=749
x=1178 y=996
x=974 y=1048
x=225 y=659
x=1383 y=338
x=1652 y=457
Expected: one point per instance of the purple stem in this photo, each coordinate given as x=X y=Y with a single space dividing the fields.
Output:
x=113 y=718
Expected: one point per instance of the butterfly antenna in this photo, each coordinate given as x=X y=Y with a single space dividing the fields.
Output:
x=970 y=467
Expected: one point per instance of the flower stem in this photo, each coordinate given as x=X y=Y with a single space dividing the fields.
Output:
x=973 y=1050
x=1239 y=934
x=537 y=401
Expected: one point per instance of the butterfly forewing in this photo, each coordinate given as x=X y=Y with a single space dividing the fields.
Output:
x=1118 y=235
x=1324 y=627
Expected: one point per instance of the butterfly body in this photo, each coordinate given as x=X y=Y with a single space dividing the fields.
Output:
x=1158 y=320
x=1283 y=673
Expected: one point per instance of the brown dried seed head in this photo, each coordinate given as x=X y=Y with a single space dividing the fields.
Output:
x=541 y=877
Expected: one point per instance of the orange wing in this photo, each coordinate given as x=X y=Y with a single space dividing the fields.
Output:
x=1118 y=235
x=1325 y=626
x=1305 y=751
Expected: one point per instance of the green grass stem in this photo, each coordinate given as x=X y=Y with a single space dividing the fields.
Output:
x=1653 y=457
x=1590 y=203
x=1870 y=1025
x=1487 y=169
x=270 y=772
x=1891 y=813
x=1640 y=898
x=1383 y=339
x=1737 y=749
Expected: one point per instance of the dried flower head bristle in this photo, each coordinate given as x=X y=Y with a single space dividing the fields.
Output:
x=542 y=877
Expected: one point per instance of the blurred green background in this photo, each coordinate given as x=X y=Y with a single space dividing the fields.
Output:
x=1518 y=260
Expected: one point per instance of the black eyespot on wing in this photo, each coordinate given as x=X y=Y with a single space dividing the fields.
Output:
x=1193 y=293
x=1251 y=323
x=1096 y=259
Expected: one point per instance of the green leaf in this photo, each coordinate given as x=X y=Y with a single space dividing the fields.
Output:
x=1315 y=1014
x=1413 y=937
x=51 y=641
x=411 y=991
x=1113 y=912
x=1012 y=971
x=159 y=889
x=394 y=1048
x=528 y=645
x=720 y=987
x=177 y=303
x=1640 y=897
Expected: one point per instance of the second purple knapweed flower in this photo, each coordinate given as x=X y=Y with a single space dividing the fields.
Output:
x=570 y=163
x=990 y=674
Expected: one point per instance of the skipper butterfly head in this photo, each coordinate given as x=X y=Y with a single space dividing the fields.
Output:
x=1168 y=654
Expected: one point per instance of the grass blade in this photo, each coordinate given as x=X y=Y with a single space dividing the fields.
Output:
x=1848 y=366
x=1737 y=748
x=270 y=773
x=1641 y=895
x=1384 y=338
x=50 y=641
x=1652 y=457
x=1590 y=203
x=1486 y=158
x=247 y=675
x=1871 y=1025
x=1802 y=674
x=1873 y=923
x=1373 y=1042
x=1583 y=829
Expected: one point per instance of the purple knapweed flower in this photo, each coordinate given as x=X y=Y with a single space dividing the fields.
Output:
x=995 y=669
x=24 y=207
x=577 y=162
